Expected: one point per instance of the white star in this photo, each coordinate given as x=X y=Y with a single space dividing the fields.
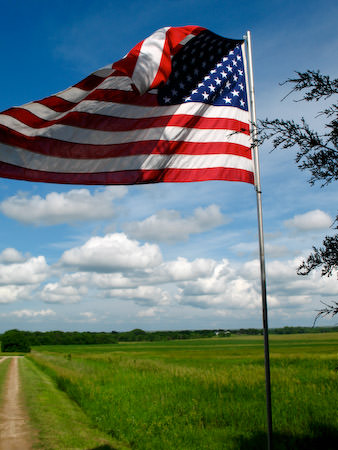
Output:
x=200 y=84
x=239 y=57
x=205 y=95
x=241 y=86
x=225 y=59
x=212 y=88
x=235 y=77
x=235 y=93
x=227 y=100
x=213 y=71
x=240 y=72
x=224 y=75
x=166 y=99
x=187 y=98
x=231 y=53
x=181 y=85
x=174 y=92
x=227 y=84
x=242 y=102
x=219 y=65
x=207 y=77
x=229 y=68
x=234 y=63
x=194 y=91
x=218 y=81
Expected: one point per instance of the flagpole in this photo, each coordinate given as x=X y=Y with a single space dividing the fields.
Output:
x=261 y=240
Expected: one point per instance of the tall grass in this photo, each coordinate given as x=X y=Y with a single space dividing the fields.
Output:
x=206 y=394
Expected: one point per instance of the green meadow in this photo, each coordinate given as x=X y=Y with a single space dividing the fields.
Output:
x=203 y=394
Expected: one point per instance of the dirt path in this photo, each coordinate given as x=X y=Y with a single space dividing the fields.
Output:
x=15 y=433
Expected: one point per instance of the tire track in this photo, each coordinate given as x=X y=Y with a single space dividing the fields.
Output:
x=15 y=433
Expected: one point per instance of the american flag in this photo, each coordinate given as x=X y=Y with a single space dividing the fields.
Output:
x=174 y=109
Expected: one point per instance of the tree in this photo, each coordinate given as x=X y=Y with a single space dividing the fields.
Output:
x=317 y=152
x=15 y=341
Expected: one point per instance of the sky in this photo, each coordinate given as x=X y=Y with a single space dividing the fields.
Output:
x=166 y=256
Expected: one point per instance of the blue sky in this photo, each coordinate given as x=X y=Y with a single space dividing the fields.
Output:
x=168 y=256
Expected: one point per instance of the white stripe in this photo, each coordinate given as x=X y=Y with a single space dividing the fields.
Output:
x=187 y=39
x=124 y=111
x=120 y=83
x=72 y=94
x=34 y=161
x=104 y=71
x=75 y=95
x=149 y=59
x=97 y=137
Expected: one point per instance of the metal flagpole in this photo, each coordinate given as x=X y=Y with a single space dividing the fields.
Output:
x=261 y=240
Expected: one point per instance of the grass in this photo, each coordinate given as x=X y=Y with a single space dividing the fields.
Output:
x=204 y=394
x=61 y=423
x=3 y=373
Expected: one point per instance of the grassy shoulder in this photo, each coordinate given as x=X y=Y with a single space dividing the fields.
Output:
x=60 y=422
x=204 y=394
x=4 y=364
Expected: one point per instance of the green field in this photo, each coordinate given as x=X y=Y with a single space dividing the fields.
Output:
x=204 y=394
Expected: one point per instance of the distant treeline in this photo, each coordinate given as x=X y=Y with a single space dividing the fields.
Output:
x=113 y=337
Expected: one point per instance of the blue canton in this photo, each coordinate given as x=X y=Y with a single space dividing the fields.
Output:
x=208 y=69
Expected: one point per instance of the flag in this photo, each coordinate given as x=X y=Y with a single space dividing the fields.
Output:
x=174 y=109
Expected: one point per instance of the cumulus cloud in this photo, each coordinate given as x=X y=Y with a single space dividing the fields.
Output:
x=312 y=220
x=170 y=226
x=12 y=293
x=224 y=287
x=149 y=312
x=56 y=293
x=33 y=271
x=11 y=256
x=112 y=253
x=142 y=295
x=64 y=207
x=29 y=313
x=88 y=316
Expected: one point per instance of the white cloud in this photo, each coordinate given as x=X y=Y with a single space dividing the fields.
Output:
x=12 y=293
x=88 y=316
x=170 y=226
x=65 y=207
x=182 y=270
x=56 y=293
x=112 y=253
x=142 y=295
x=149 y=312
x=224 y=287
x=33 y=271
x=312 y=220
x=11 y=256
x=28 y=313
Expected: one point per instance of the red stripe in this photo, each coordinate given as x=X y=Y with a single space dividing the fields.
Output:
x=56 y=103
x=128 y=177
x=127 y=64
x=108 y=95
x=164 y=67
x=89 y=83
x=109 y=123
x=127 y=97
x=62 y=149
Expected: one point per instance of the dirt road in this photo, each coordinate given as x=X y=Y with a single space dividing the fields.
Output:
x=15 y=433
